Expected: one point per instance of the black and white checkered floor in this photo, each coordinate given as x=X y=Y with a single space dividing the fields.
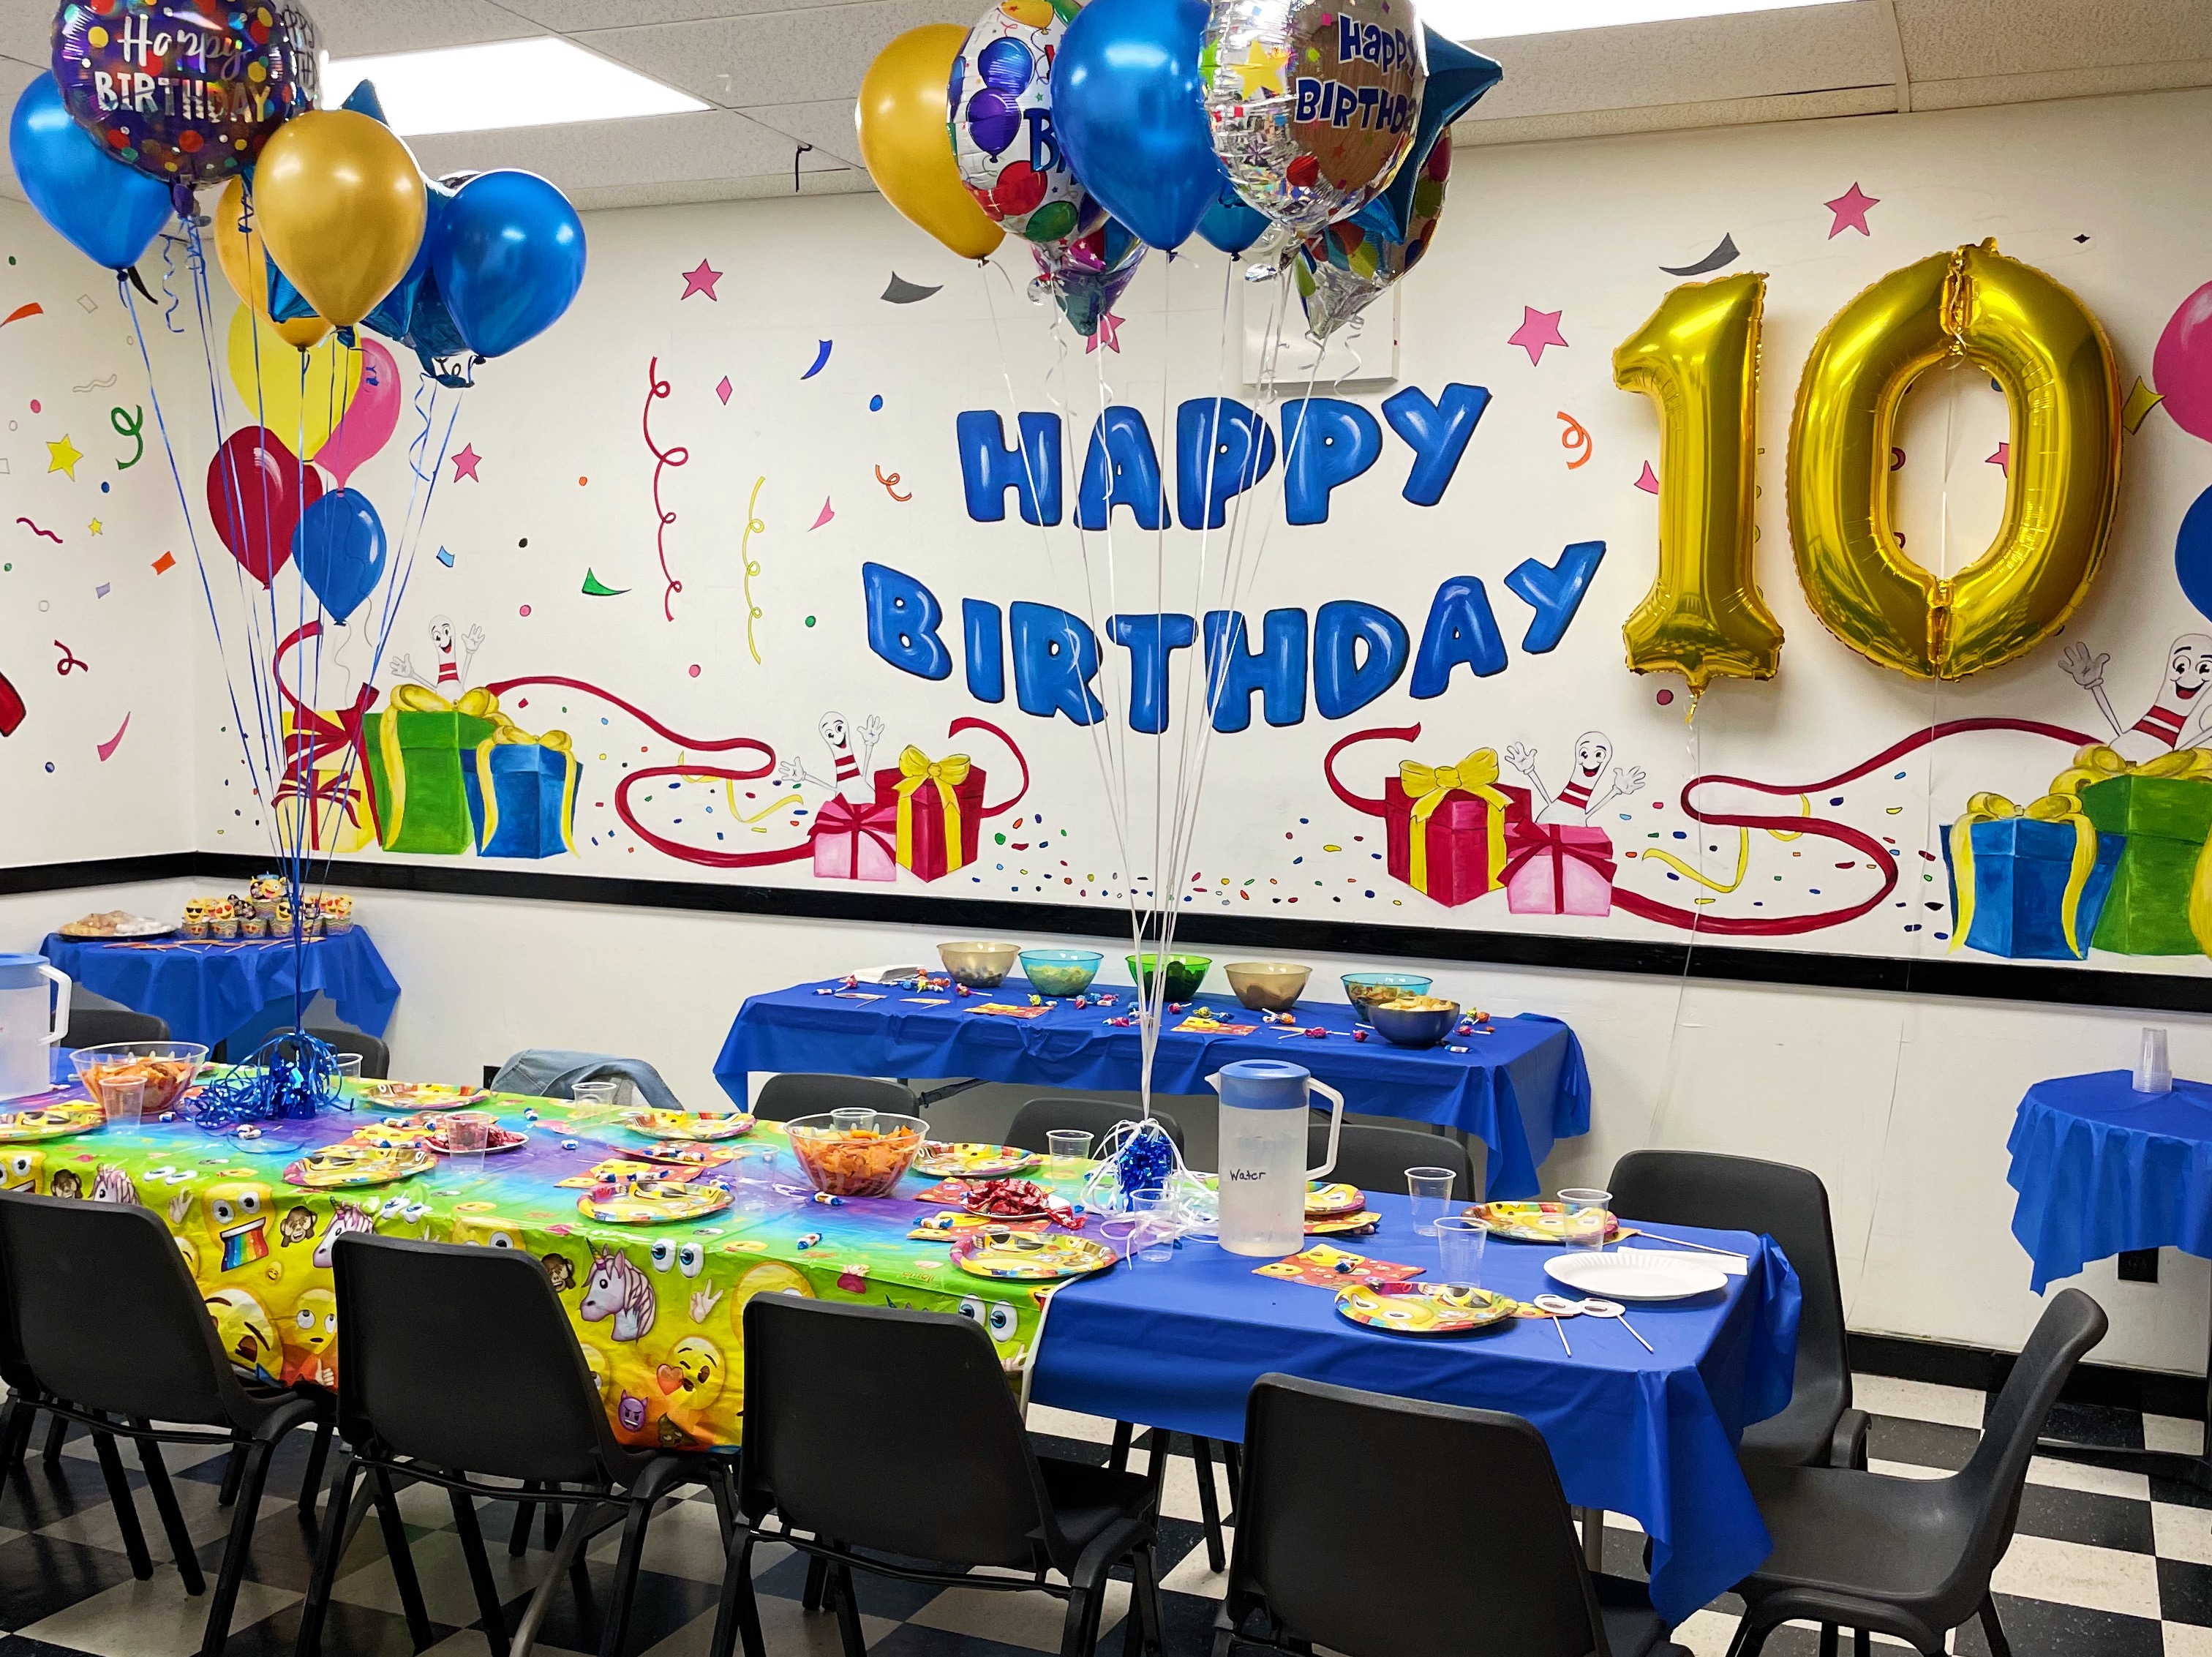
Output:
x=2103 y=1565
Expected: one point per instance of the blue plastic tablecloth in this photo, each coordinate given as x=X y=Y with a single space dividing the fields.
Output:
x=2101 y=1168
x=1517 y=1089
x=207 y=990
x=1178 y=1345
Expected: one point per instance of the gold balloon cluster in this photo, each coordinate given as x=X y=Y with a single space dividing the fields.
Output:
x=900 y=117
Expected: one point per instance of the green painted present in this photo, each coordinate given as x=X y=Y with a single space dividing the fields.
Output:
x=420 y=749
x=2166 y=818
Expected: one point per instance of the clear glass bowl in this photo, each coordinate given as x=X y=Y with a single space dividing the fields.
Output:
x=842 y=1160
x=979 y=966
x=1060 y=972
x=1363 y=989
x=167 y=1067
x=1267 y=986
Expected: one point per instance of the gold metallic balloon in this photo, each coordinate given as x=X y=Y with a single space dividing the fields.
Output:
x=341 y=207
x=240 y=251
x=908 y=146
x=1698 y=359
x=2040 y=344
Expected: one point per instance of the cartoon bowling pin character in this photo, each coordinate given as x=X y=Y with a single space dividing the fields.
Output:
x=845 y=771
x=1587 y=788
x=452 y=669
x=2177 y=719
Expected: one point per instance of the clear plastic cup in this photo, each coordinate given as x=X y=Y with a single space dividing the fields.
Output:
x=1461 y=1238
x=1155 y=1232
x=853 y=1119
x=592 y=1101
x=348 y=1070
x=1588 y=1215
x=1070 y=1148
x=1428 y=1190
x=467 y=1133
x=123 y=1101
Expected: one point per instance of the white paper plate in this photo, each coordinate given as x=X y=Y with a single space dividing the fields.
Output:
x=1616 y=1278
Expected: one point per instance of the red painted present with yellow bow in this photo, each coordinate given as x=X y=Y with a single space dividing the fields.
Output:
x=939 y=804
x=1447 y=827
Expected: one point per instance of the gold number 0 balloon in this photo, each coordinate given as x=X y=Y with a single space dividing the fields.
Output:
x=1698 y=359
x=2043 y=348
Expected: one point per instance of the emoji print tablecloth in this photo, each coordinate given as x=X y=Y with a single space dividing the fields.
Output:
x=658 y=1309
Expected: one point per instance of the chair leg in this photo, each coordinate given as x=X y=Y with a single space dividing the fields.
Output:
x=736 y=1614
x=403 y=1562
x=1124 y=1434
x=15 y=1434
x=1827 y=1639
x=526 y=1513
x=1232 y=1458
x=1148 y=1625
x=817 y=1580
x=172 y=1517
x=1593 y=1538
x=1209 y=1504
x=254 y=1474
x=232 y=1471
x=567 y=1555
x=725 y=1506
x=617 y=1627
x=126 y=1511
x=849 y=1634
x=57 y=1431
x=311 y=1481
x=1749 y=1638
x=479 y=1565
x=340 y=1518
x=1993 y=1630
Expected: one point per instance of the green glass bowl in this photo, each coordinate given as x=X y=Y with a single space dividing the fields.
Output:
x=1183 y=973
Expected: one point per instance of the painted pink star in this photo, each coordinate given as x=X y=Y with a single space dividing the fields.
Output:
x=1851 y=211
x=1109 y=335
x=465 y=464
x=1538 y=329
x=2001 y=458
x=702 y=281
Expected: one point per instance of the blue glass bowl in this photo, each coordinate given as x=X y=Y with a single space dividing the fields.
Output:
x=1060 y=972
x=1363 y=989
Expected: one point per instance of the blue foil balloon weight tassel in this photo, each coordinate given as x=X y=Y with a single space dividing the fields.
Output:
x=1146 y=1161
x=292 y=1076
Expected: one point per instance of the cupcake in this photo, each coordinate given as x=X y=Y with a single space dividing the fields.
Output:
x=338 y=912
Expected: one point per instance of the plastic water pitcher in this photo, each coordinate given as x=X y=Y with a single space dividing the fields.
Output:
x=1263 y=1153
x=26 y=1027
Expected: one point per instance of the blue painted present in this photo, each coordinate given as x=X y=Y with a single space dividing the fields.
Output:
x=522 y=794
x=2028 y=883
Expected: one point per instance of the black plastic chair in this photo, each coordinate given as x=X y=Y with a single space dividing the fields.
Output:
x=800 y=1093
x=403 y=1309
x=1375 y=1158
x=60 y=1257
x=1911 y=1558
x=1096 y=1117
x=375 y=1056
x=1465 y=1504
x=1818 y=1427
x=878 y=1437
x=96 y=1027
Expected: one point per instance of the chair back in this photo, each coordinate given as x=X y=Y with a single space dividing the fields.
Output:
x=1375 y=1158
x=96 y=1027
x=890 y=1430
x=1465 y=1504
x=375 y=1056
x=1096 y=1117
x=77 y=1274
x=1991 y=1483
x=406 y=1308
x=1742 y=1193
x=798 y=1093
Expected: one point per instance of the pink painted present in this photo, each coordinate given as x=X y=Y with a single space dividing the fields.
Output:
x=855 y=842
x=1556 y=868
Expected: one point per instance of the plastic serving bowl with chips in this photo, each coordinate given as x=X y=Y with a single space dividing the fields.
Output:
x=844 y=1160
x=167 y=1068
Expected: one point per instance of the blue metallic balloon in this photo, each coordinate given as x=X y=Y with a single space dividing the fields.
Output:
x=339 y=548
x=1456 y=78
x=395 y=311
x=1125 y=103
x=508 y=255
x=110 y=211
x=1231 y=224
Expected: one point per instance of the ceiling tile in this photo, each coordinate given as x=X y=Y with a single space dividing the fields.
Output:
x=572 y=16
x=15 y=76
x=1952 y=39
x=27 y=33
x=827 y=126
x=595 y=156
x=354 y=28
x=778 y=57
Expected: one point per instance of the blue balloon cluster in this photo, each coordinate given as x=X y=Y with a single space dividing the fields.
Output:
x=110 y=211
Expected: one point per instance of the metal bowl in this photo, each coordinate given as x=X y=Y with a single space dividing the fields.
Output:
x=1403 y=1026
x=1364 y=990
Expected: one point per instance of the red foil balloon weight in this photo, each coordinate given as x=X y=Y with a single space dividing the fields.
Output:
x=257 y=489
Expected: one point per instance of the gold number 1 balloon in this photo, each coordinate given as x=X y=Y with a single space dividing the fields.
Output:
x=2041 y=345
x=1698 y=359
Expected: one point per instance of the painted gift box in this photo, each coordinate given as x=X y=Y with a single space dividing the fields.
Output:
x=855 y=842
x=938 y=807
x=1559 y=868
x=1447 y=827
x=2028 y=883
x=421 y=750
x=322 y=798
x=522 y=792
x=2163 y=809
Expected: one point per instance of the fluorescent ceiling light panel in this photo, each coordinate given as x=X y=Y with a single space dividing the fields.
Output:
x=545 y=82
x=1493 y=20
